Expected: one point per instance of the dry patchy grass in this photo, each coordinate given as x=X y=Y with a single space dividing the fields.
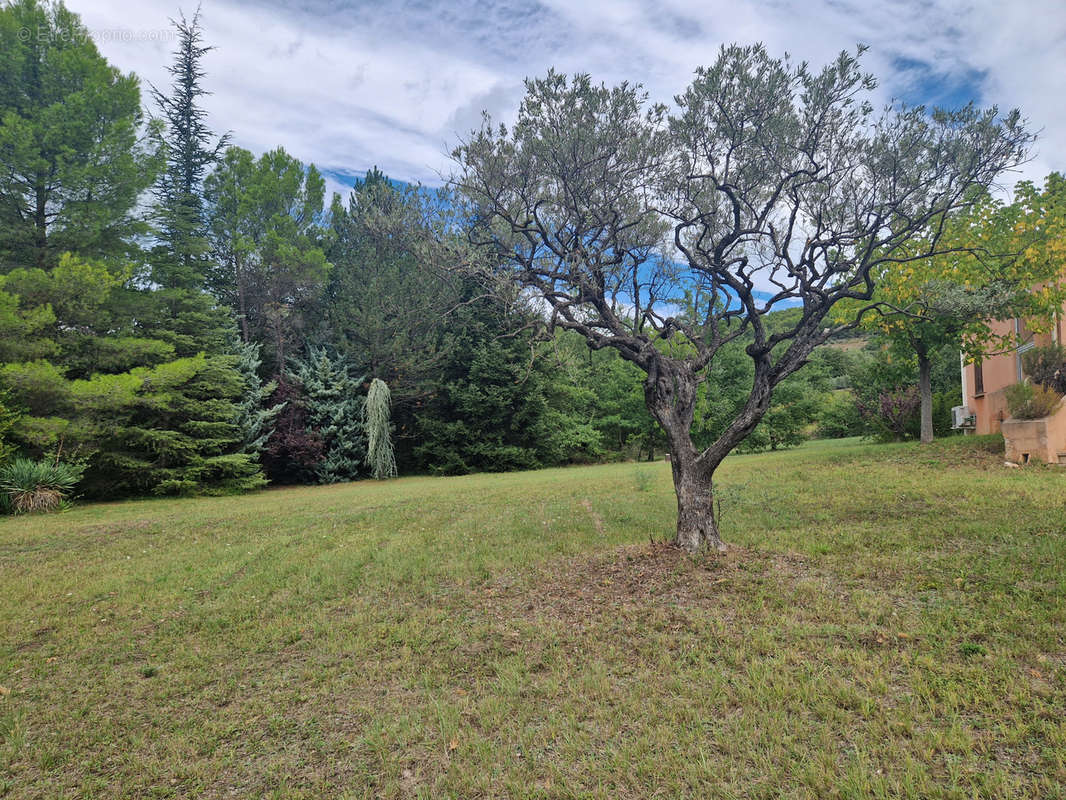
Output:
x=889 y=624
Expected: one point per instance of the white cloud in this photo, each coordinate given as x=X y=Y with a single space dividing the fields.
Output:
x=351 y=85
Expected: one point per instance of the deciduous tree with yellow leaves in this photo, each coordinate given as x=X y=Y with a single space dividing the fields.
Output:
x=999 y=261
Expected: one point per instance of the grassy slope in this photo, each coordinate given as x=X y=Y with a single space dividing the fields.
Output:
x=891 y=625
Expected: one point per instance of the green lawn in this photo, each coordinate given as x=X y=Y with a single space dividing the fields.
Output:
x=892 y=623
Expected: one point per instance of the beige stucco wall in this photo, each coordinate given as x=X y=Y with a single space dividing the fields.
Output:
x=990 y=409
x=1041 y=439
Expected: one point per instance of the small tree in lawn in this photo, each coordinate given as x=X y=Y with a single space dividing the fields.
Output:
x=997 y=265
x=770 y=183
x=376 y=413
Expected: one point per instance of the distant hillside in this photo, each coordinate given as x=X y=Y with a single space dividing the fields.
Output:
x=787 y=317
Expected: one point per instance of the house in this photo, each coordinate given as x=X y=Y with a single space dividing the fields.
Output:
x=984 y=408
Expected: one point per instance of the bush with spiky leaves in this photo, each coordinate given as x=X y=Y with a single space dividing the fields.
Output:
x=36 y=486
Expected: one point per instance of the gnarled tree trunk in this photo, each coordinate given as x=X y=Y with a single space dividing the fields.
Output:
x=697 y=528
x=670 y=393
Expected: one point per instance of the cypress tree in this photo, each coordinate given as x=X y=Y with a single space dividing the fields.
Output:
x=185 y=315
x=190 y=149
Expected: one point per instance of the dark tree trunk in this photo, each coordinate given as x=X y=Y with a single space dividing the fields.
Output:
x=279 y=343
x=697 y=529
x=40 y=222
x=670 y=393
x=242 y=303
x=925 y=391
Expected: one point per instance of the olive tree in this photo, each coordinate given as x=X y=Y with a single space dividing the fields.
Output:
x=767 y=184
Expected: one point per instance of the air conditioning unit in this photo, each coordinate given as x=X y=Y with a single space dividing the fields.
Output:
x=962 y=417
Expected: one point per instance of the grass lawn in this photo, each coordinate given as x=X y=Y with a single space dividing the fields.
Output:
x=891 y=623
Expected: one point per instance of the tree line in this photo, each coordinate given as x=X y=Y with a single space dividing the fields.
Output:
x=179 y=315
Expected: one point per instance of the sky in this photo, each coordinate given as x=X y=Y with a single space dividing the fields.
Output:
x=349 y=84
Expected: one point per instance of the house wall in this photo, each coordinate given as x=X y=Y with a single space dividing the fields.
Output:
x=999 y=371
x=990 y=409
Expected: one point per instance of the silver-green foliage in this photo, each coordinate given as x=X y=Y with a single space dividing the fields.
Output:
x=254 y=418
x=765 y=173
x=334 y=412
x=376 y=412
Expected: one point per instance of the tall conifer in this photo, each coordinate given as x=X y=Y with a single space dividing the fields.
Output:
x=185 y=315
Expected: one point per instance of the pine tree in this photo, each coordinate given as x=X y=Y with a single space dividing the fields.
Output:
x=387 y=310
x=184 y=313
x=265 y=220
x=148 y=422
x=99 y=358
x=71 y=165
x=168 y=430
